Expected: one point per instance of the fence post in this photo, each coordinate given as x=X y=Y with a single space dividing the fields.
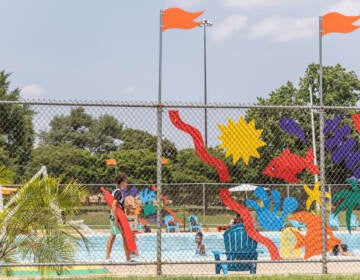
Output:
x=159 y=187
x=323 y=182
x=204 y=202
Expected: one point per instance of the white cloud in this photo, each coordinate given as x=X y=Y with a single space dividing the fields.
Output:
x=347 y=7
x=184 y=3
x=251 y=4
x=129 y=89
x=283 y=30
x=228 y=27
x=32 y=91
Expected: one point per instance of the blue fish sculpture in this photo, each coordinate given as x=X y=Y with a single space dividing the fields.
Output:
x=292 y=127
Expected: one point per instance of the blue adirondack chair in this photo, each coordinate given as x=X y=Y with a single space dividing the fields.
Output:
x=238 y=246
x=171 y=224
x=334 y=222
x=354 y=223
x=194 y=224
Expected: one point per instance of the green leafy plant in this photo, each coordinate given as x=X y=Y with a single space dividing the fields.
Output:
x=34 y=225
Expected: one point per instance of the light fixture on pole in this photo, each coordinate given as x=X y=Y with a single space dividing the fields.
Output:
x=204 y=24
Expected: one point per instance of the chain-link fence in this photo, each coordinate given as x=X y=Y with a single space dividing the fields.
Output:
x=272 y=189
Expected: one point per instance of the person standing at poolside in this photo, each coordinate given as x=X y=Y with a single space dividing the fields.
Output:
x=121 y=183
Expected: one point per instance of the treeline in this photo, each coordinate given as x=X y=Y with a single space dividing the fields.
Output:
x=76 y=145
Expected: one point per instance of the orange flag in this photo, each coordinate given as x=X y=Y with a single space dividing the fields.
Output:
x=178 y=18
x=6 y=190
x=339 y=23
x=164 y=160
x=110 y=161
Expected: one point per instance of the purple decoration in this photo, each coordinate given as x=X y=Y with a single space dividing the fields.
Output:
x=331 y=125
x=352 y=160
x=124 y=192
x=344 y=146
x=343 y=151
x=339 y=135
x=152 y=218
x=357 y=173
x=292 y=127
x=133 y=191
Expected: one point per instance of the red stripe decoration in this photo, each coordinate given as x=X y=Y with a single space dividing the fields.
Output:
x=127 y=233
x=199 y=145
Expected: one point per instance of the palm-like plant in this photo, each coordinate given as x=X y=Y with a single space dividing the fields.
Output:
x=33 y=226
x=350 y=200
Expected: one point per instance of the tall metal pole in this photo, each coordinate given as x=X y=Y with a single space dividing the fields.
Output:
x=205 y=23
x=322 y=154
x=159 y=153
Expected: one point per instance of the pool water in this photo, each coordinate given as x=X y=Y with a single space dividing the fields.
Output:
x=181 y=246
x=175 y=246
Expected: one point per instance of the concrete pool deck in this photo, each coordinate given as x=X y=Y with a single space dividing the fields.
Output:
x=262 y=269
x=336 y=266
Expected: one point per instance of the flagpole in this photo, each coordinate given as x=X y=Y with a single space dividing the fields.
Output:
x=322 y=153
x=160 y=59
x=320 y=63
x=159 y=151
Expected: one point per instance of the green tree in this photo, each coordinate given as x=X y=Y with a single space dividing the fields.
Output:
x=100 y=136
x=106 y=132
x=81 y=130
x=16 y=129
x=189 y=168
x=75 y=163
x=139 y=165
x=6 y=175
x=67 y=161
x=134 y=139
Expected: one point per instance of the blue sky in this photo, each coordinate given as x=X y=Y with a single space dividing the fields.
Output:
x=109 y=50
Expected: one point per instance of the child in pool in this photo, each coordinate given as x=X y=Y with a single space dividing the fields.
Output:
x=200 y=249
x=341 y=250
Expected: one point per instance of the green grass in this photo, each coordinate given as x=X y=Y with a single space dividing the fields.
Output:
x=99 y=220
x=97 y=216
x=222 y=277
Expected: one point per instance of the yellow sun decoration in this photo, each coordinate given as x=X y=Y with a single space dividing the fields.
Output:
x=241 y=140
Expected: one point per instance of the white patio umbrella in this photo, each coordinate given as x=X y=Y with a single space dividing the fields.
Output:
x=244 y=188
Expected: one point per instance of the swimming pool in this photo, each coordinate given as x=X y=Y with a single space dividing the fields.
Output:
x=181 y=246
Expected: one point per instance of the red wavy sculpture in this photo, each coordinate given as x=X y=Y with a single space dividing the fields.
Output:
x=248 y=224
x=127 y=233
x=356 y=120
x=199 y=145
